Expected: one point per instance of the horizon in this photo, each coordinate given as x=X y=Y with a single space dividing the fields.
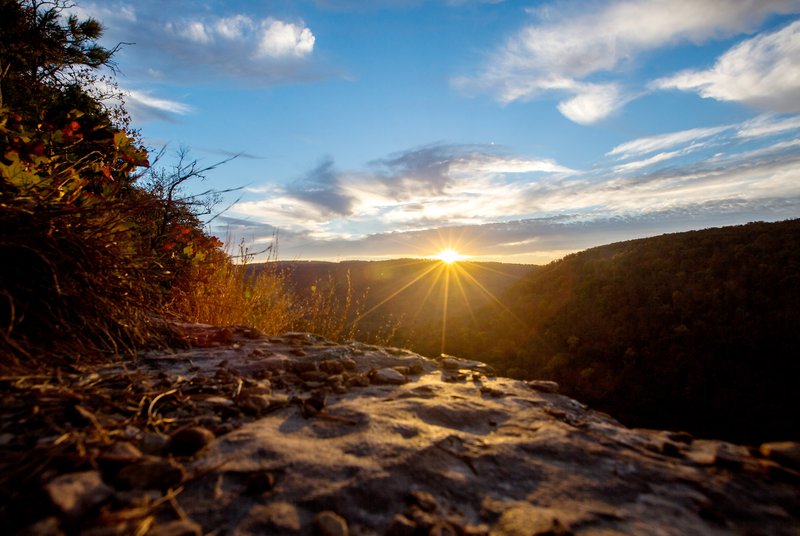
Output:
x=507 y=131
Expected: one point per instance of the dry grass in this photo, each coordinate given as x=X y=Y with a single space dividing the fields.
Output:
x=231 y=294
x=227 y=293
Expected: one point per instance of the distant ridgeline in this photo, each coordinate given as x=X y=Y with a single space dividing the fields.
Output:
x=697 y=331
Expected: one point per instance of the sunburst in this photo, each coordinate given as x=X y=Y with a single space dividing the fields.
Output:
x=449 y=256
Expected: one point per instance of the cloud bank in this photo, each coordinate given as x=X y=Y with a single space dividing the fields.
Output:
x=575 y=53
x=502 y=201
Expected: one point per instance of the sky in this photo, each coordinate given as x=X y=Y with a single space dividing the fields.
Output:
x=514 y=131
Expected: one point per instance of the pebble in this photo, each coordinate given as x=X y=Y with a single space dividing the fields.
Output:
x=329 y=523
x=331 y=366
x=388 y=376
x=75 y=494
x=151 y=473
x=188 y=441
x=450 y=364
x=543 y=386
x=153 y=443
x=784 y=452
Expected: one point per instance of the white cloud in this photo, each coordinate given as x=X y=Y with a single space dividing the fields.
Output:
x=768 y=125
x=649 y=144
x=639 y=164
x=279 y=39
x=136 y=101
x=233 y=27
x=142 y=105
x=593 y=103
x=266 y=38
x=564 y=48
x=763 y=72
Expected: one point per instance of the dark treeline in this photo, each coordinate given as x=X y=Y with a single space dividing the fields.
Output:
x=697 y=331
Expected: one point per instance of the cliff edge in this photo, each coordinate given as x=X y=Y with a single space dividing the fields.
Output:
x=243 y=434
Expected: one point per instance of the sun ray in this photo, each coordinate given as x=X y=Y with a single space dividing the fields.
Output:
x=398 y=291
x=490 y=295
x=445 y=300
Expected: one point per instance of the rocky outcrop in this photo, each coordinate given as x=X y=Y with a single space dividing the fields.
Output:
x=297 y=435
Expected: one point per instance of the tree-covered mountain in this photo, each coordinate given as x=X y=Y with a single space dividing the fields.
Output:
x=697 y=330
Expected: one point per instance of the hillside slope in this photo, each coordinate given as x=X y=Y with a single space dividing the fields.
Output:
x=695 y=330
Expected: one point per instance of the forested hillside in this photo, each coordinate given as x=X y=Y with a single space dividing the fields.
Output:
x=696 y=330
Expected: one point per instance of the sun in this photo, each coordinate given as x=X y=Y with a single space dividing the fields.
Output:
x=449 y=256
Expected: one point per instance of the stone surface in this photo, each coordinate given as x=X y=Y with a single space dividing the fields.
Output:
x=444 y=451
x=75 y=494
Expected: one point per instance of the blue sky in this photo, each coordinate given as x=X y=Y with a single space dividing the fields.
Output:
x=510 y=130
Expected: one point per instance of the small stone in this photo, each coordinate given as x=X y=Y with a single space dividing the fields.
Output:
x=358 y=381
x=314 y=376
x=543 y=386
x=388 y=376
x=329 y=523
x=273 y=518
x=299 y=367
x=188 y=441
x=180 y=527
x=450 y=364
x=494 y=393
x=298 y=352
x=153 y=443
x=416 y=367
x=348 y=363
x=253 y=404
x=529 y=519
x=331 y=366
x=784 y=452
x=151 y=473
x=122 y=451
x=75 y=494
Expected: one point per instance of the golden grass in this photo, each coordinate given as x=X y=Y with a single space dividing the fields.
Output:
x=261 y=297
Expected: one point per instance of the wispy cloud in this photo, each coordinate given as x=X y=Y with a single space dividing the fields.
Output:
x=142 y=105
x=562 y=50
x=650 y=144
x=761 y=72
